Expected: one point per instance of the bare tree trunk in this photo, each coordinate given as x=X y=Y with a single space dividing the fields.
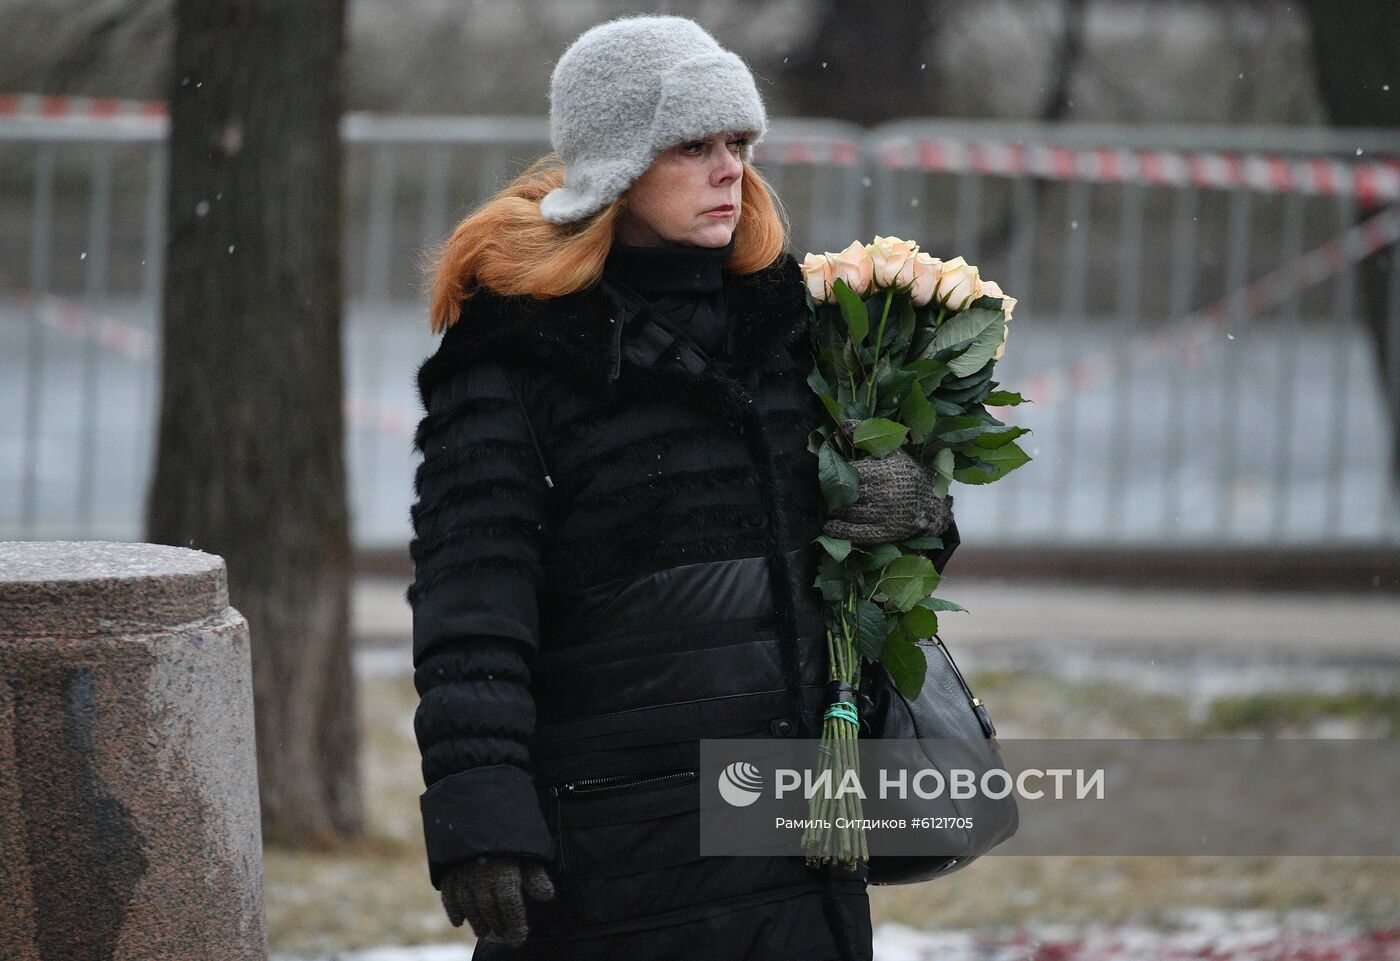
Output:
x=994 y=238
x=854 y=41
x=1069 y=51
x=1356 y=46
x=250 y=462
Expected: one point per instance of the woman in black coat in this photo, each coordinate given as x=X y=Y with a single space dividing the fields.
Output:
x=613 y=552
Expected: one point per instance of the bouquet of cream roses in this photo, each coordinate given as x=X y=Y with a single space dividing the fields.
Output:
x=904 y=345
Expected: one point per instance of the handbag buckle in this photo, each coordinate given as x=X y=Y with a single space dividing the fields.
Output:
x=985 y=720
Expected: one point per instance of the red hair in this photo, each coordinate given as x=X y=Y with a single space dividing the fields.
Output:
x=505 y=245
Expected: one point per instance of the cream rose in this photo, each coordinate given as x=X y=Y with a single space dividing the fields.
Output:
x=926 y=270
x=853 y=265
x=1001 y=347
x=958 y=284
x=990 y=288
x=818 y=271
x=892 y=260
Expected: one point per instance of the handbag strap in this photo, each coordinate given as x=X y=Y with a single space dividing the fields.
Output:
x=978 y=707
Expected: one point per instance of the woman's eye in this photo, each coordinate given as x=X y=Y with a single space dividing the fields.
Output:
x=699 y=145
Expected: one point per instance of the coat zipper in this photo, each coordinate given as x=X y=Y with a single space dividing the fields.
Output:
x=590 y=785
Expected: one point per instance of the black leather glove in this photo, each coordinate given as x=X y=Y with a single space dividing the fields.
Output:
x=896 y=501
x=487 y=892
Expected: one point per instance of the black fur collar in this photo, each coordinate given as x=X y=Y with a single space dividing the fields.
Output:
x=572 y=334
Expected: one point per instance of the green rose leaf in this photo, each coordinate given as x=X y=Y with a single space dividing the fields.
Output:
x=839 y=481
x=920 y=622
x=966 y=325
x=837 y=547
x=880 y=555
x=1002 y=438
x=869 y=629
x=918 y=413
x=930 y=372
x=977 y=378
x=853 y=310
x=943 y=463
x=939 y=604
x=968 y=397
x=984 y=415
x=907 y=317
x=1005 y=398
x=959 y=430
x=831 y=579
x=989 y=465
x=907 y=666
x=879 y=436
x=895 y=384
x=976 y=357
x=833 y=361
x=909 y=579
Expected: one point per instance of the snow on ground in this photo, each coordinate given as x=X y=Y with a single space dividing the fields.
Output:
x=1193 y=933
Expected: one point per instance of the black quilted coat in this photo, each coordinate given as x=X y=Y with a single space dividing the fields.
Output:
x=613 y=560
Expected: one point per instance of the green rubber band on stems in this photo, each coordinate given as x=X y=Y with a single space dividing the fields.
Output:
x=843 y=710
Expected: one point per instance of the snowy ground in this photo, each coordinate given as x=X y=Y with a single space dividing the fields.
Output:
x=1102 y=669
x=1191 y=934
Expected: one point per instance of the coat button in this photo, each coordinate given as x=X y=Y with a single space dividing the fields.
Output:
x=781 y=727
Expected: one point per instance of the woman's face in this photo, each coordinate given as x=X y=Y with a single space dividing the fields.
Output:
x=674 y=201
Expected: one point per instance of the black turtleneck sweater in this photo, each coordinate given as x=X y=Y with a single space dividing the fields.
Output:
x=683 y=283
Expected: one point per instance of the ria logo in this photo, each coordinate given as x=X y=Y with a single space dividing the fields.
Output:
x=740 y=783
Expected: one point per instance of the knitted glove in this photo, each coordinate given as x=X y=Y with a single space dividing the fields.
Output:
x=896 y=501
x=486 y=891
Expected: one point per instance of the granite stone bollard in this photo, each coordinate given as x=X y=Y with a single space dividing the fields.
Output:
x=129 y=822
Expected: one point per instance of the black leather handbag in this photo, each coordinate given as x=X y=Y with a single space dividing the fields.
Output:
x=944 y=708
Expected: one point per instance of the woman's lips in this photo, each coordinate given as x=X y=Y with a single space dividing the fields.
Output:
x=724 y=211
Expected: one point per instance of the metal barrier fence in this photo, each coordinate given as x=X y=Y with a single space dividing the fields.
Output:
x=1189 y=321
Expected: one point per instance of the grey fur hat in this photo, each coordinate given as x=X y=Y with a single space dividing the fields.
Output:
x=628 y=89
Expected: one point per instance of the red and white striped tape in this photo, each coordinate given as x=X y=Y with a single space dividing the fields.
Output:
x=808 y=151
x=125 y=339
x=1189 y=337
x=1371 y=182
x=114 y=335
x=1185 y=339
x=46 y=107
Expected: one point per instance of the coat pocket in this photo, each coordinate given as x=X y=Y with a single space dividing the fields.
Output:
x=624 y=824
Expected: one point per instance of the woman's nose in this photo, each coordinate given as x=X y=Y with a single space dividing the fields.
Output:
x=728 y=167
